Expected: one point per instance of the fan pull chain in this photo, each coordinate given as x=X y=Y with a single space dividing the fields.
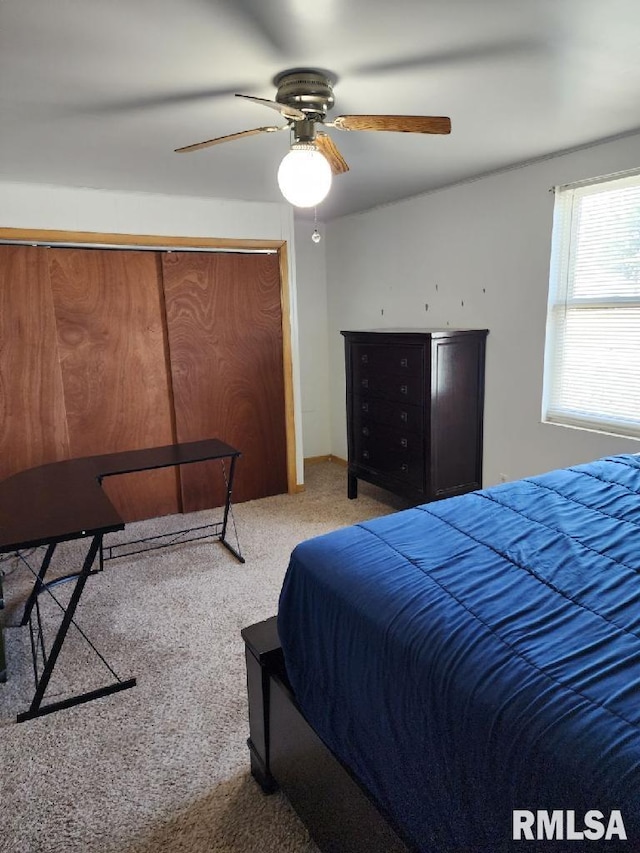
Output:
x=316 y=236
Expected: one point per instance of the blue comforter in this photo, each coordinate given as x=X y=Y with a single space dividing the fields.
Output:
x=481 y=654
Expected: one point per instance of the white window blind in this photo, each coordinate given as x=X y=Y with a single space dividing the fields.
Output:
x=592 y=357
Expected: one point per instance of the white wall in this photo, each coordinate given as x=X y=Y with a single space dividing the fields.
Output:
x=31 y=206
x=313 y=339
x=478 y=255
x=73 y=209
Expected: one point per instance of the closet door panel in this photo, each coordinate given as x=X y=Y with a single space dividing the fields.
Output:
x=113 y=350
x=224 y=320
x=33 y=427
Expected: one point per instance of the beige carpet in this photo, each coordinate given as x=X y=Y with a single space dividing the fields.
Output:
x=163 y=766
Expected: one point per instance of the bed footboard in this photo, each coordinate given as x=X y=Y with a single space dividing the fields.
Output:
x=286 y=753
x=263 y=658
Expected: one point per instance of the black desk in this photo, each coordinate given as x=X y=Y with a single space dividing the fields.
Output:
x=64 y=500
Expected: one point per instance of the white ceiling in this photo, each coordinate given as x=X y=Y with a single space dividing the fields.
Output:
x=98 y=93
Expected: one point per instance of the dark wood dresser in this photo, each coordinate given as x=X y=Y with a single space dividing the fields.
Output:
x=415 y=403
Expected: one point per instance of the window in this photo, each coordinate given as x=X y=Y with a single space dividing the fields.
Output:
x=592 y=357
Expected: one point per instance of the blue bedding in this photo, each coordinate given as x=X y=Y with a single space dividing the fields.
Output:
x=481 y=654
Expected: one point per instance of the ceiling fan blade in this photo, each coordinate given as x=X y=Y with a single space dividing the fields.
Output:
x=327 y=146
x=397 y=124
x=287 y=27
x=167 y=99
x=229 y=138
x=283 y=109
x=455 y=56
x=272 y=21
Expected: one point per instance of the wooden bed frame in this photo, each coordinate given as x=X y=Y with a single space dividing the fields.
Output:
x=286 y=753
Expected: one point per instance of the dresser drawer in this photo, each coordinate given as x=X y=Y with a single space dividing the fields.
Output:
x=405 y=416
x=390 y=386
x=401 y=358
x=390 y=451
x=396 y=373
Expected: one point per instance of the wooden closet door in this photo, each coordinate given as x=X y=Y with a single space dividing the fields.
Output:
x=113 y=352
x=33 y=427
x=224 y=319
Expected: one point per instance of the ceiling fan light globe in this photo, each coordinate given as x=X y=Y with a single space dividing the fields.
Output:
x=304 y=176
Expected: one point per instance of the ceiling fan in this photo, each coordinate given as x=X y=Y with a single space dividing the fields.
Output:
x=304 y=96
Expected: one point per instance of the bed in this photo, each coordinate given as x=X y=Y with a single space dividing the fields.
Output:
x=464 y=659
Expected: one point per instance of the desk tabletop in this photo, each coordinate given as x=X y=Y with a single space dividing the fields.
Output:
x=64 y=500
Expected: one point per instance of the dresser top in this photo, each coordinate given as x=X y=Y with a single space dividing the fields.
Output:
x=440 y=332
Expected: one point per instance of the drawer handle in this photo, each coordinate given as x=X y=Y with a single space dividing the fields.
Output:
x=365 y=383
x=404 y=468
x=404 y=362
x=365 y=430
x=365 y=407
x=404 y=389
x=365 y=454
x=404 y=417
x=364 y=358
x=404 y=442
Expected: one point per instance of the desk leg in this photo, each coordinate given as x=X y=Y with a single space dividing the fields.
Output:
x=38 y=585
x=36 y=709
x=227 y=508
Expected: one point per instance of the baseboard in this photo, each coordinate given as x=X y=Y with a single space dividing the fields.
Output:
x=329 y=457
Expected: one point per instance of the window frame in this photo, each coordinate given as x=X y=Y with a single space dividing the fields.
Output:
x=562 y=266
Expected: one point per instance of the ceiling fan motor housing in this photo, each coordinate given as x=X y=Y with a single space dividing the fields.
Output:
x=310 y=91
